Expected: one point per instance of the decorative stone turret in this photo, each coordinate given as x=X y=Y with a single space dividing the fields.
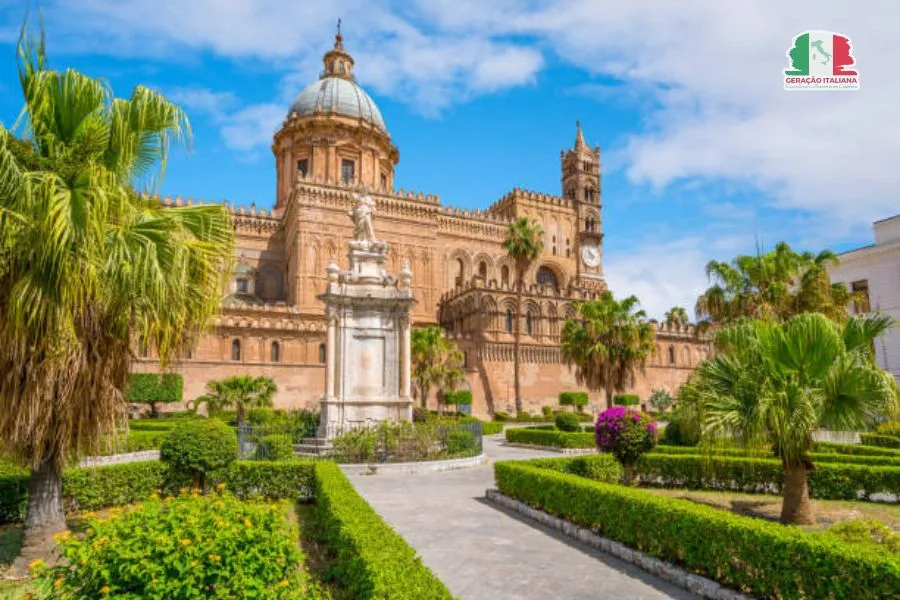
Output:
x=367 y=352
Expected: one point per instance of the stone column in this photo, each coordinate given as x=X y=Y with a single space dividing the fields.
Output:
x=330 y=363
x=405 y=357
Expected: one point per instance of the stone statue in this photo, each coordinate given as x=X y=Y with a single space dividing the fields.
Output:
x=362 y=218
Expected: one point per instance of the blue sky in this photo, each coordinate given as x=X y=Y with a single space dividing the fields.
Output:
x=705 y=155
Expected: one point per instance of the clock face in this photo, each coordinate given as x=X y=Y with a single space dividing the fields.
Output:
x=590 y=256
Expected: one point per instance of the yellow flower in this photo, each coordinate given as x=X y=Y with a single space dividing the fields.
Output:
x=104 y=589
x=283 y=583
x=185 y=542
x=215 y=557
x=62 y=536
x=154 y=496
x=36 y=565
x=58 y=582
x=83 y=562
x=248 y=523
x=220 y=487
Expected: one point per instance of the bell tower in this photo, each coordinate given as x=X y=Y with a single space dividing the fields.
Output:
x=581 y=184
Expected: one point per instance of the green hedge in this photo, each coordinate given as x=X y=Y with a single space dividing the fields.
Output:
x=491 y=428
x=149 y=388
x=854 y=449
x=133 y=441
x=817 y=457
x=458 y=397
x=13 y=492
x=370 y=560
x=577 y=399
x=880 y=440
x=829 y=481
x=254 y=479
x=548 y=437
x=153 y=424
x=758 y=557
x=111 y=485
x=599 y=467
x=626 y=400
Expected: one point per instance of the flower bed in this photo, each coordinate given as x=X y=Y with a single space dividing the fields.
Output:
x=758 y=557
x=550 y=437
x=831 y=481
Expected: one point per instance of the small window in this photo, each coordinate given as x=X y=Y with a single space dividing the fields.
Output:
x=340 y=67
x=586 y=165
x=482 y=270
x=322 y=353
x=671 y=355
x=236 y=350
x=508 y=325
x=460 y=271
x=504 y=275
x=276 y=352
x=348 y=171
x=243 y=286
x=860 y=291
x=546 y=276
x=383 y=182
x=303 y=166
x=529 y=324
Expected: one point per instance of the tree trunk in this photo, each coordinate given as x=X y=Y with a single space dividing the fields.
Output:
x=153 y=412
x=628 y=473
x=517 y=341
x=796 y=508
x=44 y=517
x=240 y=414
x=609 y=396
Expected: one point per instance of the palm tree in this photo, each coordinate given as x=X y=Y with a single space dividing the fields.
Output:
x=523 y=244
x=777 y=383
x=677 y=316
x=774 y=285
x=436 y=361
x=88 y=268
x=608 y=344
x=240 y=392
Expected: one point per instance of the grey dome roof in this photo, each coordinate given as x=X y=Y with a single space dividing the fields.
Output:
x=341 y=96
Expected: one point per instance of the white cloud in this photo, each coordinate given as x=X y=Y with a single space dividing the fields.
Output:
x=214 y=104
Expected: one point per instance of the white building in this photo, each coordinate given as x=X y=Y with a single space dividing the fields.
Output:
x=875 y=270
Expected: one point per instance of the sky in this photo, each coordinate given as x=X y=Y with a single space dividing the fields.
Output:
x=705 y=155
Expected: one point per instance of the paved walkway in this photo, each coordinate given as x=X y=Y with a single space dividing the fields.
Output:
x=483 y=552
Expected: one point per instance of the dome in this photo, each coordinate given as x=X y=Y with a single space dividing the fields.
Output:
x=340 y=96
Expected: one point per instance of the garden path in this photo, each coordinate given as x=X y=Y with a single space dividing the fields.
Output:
x=483 y=552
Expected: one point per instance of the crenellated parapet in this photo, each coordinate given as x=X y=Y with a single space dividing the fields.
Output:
x=245 y=219
x=267 y=317
x=505 y=206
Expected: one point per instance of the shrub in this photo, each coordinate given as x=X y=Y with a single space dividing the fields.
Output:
x=829 y=481
x=879 y=440
x=491 y=428
x=599 y=467
x=889 y=428
x=626 y=399
x=133 y=441
x=547 y=412
x=371 y=560
x=270 y=480
x=567 y=422
x=855 y=449
x=817 y=457
x=175 y=548
x=154 y=388
x=501 y=416
x=577 y=399
x=153 y=424
x=678 y=432
x=196 y=449
x=458 y=397
x=274 y=447
x=99 y=487
x=13 y=491
x=263 y=415
x=627 y=434
x=765 y=559
x=661 y=399
x=420 y=414
x=229 y=417
x=404 y=442
x=461 y=443
x=544 y=437
x=867 y=532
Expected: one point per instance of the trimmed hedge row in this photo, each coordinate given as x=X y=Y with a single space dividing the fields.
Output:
x=371 y=559
x=880 y=440
x=13 y=492
x=133 y=441
x=573 y=399
x=545 y=437
x=599 y=467
x=855 y=449
x=758 y=557
x=817 y=457
x=491 y=427
x=829 y=481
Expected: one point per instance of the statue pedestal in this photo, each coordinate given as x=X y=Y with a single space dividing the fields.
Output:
x=367 y=378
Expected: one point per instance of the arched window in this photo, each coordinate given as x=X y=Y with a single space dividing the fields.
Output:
x=322 y=353
x=509 y=321
x=546 y=276
x=482 y=270
x=671 y=355
x=554 y=245
x=460 y=271
x=504 y=275
x=236 y=350
x=529 y=323
x=276 y=352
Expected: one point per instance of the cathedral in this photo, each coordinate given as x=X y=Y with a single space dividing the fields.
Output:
x=335 y=144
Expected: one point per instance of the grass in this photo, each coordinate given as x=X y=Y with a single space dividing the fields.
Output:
x=767 y=506
x=10 y=541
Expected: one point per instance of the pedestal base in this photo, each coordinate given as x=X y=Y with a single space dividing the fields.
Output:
x=339 y=417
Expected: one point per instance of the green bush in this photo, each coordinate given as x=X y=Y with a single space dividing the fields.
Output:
x=547 y=412
x=817 y=457
x=501 y=416
x=175 y=548
x=867 y=532
x=855 y=449
x=154 y=388
x=829 y=481
x=133 y=441
x=660 y=399
x=567 y=422
x=461 y=443
x=13 y=491
x=576 y=399
x=676 y=433
x=153 y=424
x=583 y=417
x=253 y=479
x=263 y=415
x=370 y=560
x=274 y=447
x=229 y=417
x=626 y=399
x=889 y=428
x=196 y=449
x=765 y=559
x=879 y=440
x=458 y=397
x=491 y=428
x=112 y=485
x=543 y=437
x=599 y=467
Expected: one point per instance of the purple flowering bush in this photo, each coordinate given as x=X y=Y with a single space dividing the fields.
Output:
x=625 y=433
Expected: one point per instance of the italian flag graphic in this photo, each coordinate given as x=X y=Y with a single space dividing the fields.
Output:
x=822 y=60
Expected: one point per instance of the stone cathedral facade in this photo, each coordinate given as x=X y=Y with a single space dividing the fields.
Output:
x=333 y=144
